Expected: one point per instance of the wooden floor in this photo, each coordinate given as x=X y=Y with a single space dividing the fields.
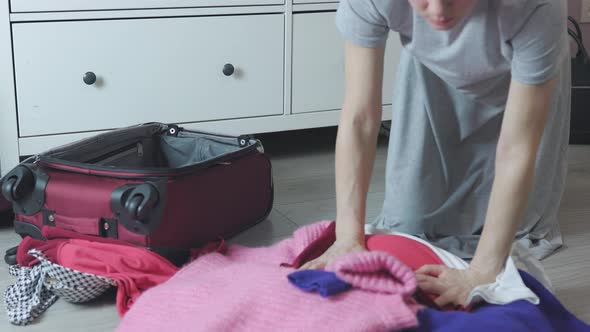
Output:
x=303 y=166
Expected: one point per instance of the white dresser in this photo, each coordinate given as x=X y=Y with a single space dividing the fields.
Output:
x=73 y=68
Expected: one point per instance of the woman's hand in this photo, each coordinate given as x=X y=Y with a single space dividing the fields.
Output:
x=339 y=248
x=452 y=285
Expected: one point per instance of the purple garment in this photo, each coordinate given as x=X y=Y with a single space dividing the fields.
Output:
x=326 y=283
x=522 y=316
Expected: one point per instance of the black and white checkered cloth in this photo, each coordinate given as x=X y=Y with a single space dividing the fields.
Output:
x=38 y=287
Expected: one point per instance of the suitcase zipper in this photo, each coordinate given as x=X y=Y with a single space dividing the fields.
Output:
x=247 y=138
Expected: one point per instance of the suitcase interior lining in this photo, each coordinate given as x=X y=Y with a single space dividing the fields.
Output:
x=154 y=151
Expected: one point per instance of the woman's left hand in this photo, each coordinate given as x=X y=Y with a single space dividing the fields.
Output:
x=452 y=285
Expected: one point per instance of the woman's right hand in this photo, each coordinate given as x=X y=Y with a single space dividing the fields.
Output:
x=339 y=248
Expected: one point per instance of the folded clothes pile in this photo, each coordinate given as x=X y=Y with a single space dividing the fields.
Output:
x=247 y=289
x=241 y=288
x=78 y=268
x=507 y=288
x=262 y=289
x=38 y=287
x=522 y=316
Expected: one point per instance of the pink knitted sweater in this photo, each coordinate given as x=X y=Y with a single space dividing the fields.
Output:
x=247 y=290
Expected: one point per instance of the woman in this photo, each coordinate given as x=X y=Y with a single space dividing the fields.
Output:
x=477 y=153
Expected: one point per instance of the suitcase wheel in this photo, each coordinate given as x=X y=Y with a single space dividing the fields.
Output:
x=142 y=202
x=139 y=207
x=10 y=256
x=19 y=184
x=24 y=187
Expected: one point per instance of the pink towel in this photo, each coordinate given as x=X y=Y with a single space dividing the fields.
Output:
x=246 y=289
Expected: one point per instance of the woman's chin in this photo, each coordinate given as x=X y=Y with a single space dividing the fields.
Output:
x=442 y=25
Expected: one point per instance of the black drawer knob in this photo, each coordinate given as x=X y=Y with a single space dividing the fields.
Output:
x=228 y=69
x=89 y=78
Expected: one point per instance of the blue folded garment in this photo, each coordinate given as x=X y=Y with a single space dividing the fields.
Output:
x=522 y=316
x=324 y=282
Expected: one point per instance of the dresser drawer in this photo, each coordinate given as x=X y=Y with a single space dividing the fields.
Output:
x=17 y=6
x=313 y=1
x=318 y=64
x=93 y=75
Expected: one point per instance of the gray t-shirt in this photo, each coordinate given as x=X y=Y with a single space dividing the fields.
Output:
x=499 y=40
x=449 y=94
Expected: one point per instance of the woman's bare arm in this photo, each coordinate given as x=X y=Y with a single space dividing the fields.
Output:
x=355 y=147
x=522 y=128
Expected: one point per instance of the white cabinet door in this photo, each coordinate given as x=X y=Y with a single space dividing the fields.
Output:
x=318 y=64
x=313 y=1
x=166 y=70
x=17 y=6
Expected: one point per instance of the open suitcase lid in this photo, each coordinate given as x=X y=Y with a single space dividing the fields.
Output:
x=151 y=149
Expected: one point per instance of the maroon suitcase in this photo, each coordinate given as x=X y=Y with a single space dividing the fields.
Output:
x=5 y=211
x=4 y=204
x=154 y=185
